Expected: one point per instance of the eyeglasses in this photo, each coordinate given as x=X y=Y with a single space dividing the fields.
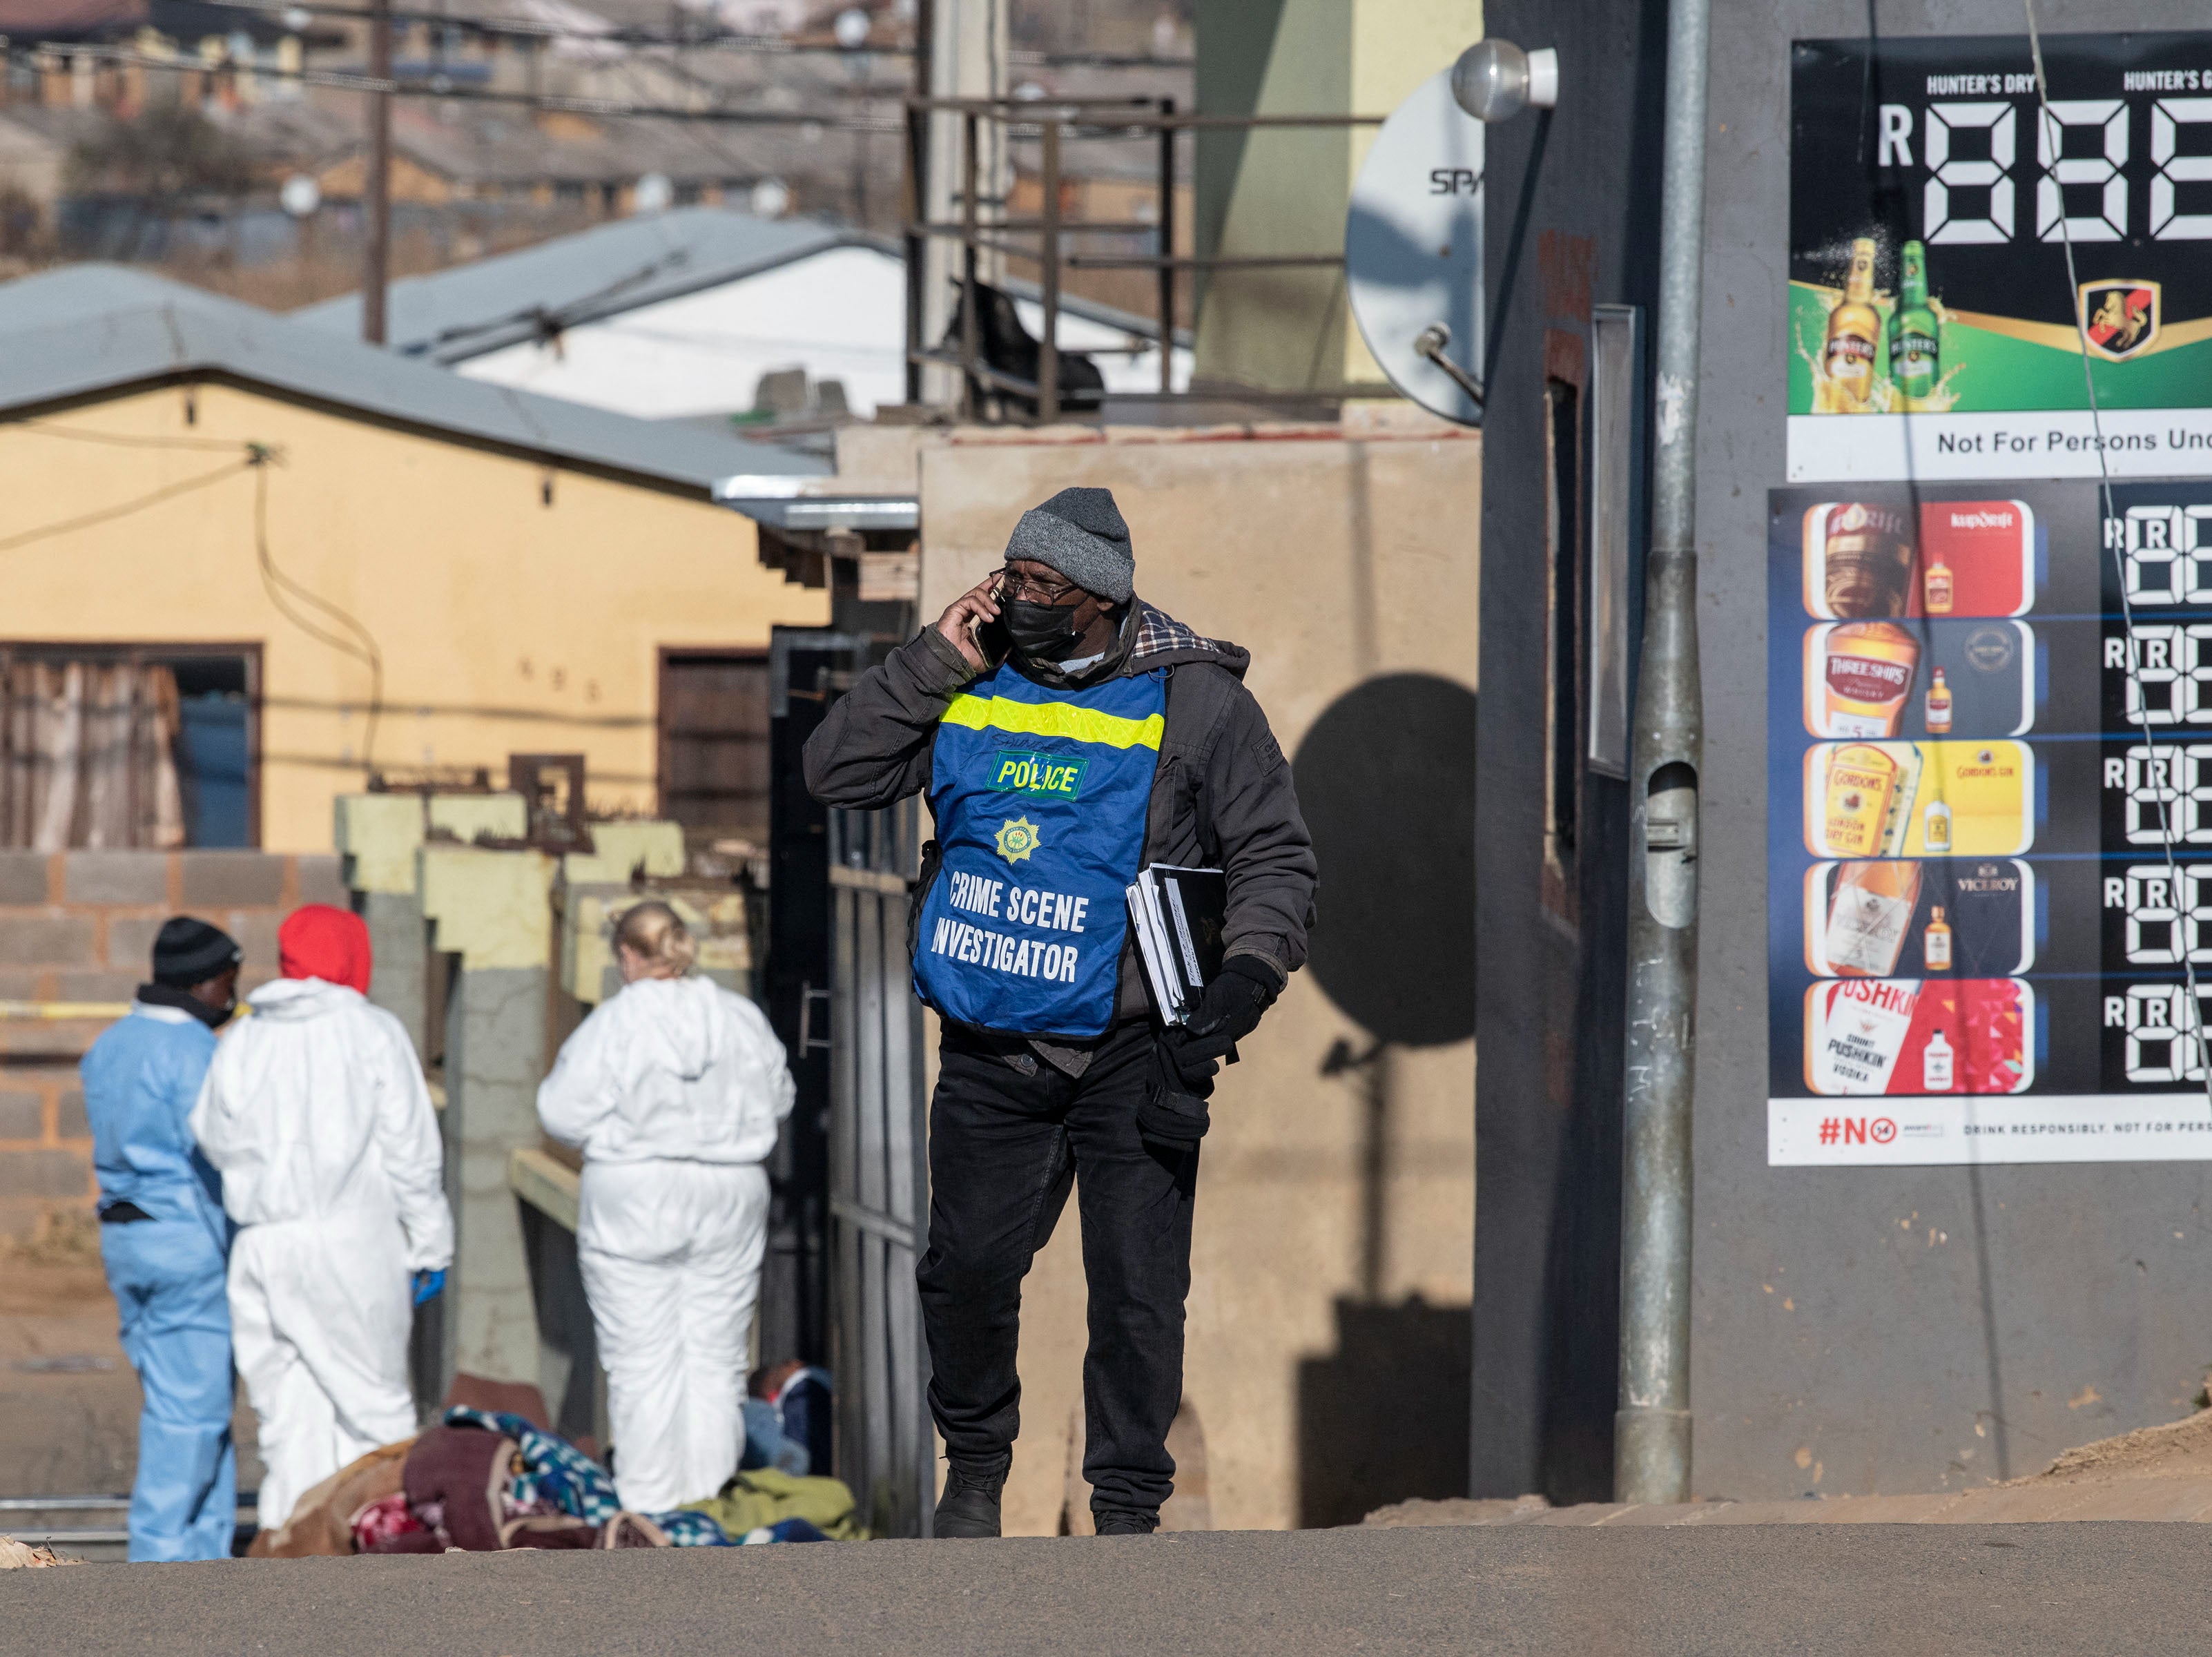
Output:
x=1013 y=584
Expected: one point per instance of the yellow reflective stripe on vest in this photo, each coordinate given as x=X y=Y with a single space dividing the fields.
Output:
x=1055 y=720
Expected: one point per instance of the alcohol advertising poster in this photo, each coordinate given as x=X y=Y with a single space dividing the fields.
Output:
x=1990 y=831
x=1990 y=738
x=1932 y=318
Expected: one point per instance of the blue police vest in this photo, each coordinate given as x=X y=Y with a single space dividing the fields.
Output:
x=1040 y=797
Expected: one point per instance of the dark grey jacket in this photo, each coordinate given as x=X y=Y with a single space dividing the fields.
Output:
x=1222 y=795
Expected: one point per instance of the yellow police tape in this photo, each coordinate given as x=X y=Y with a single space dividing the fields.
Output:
x=1055 y=720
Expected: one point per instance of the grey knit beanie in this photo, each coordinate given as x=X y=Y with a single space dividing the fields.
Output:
x=1080 y=532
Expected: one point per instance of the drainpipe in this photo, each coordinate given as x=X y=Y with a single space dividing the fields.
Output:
x=1651 y=1430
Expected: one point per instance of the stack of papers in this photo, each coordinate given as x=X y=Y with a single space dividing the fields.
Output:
x=1178 y=915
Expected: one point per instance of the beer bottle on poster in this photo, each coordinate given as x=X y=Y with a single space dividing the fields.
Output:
x=1936 y=1064
x=1936 y=943
x=1914 y=349
x=1939 y=706
x=1854 y=334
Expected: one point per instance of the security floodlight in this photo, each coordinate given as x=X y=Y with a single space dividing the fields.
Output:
x=1495 y=79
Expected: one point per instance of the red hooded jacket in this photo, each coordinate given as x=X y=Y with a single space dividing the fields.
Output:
x=317 y=941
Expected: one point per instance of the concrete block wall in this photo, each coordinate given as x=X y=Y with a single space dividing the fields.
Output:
x=78 y=927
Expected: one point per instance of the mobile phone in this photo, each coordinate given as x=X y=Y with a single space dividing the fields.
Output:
x=991 y=637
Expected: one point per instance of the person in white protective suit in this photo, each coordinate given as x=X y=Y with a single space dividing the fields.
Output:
x=316 y=1114
x=673 y=1088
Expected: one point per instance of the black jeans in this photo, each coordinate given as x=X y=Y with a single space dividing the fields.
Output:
x=1003 y=1149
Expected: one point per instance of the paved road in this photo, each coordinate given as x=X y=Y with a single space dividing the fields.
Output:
x=1958 y=1590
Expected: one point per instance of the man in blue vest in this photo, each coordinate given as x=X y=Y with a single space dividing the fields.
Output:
x=165 y=1243
x=1068 y=734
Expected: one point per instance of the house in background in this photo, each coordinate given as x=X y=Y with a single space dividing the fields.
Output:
x=254 y=566
x=681 y=314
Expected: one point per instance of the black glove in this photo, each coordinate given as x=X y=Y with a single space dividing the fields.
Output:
x=1245 y=987
x=1173 y=1116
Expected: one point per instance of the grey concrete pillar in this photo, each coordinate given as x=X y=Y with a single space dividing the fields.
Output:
x=494 y=1057
x=400 y=940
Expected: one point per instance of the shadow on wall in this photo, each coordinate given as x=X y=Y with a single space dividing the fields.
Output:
x=1385 y=1417
x=1386 y=779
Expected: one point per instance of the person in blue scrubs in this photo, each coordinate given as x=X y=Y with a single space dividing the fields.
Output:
x=166 y=1243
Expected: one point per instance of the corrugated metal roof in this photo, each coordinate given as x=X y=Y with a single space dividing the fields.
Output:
x=91 y=328
x=453 y=315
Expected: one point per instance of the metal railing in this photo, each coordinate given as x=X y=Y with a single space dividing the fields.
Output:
x=1053 y=122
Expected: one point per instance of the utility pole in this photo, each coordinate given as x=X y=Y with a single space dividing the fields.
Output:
x=1651 y=1430
x=376 y=184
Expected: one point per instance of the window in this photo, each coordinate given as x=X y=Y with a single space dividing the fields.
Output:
x=713 y=744
x=131 y=745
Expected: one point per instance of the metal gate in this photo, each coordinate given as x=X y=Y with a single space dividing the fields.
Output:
x=878 y=1173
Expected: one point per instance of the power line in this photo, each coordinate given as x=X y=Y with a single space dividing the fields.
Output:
x=121 y=440
x=108 y=514
x=765 y=46
x=612 y=34
x=361 y=648
x=439 y=87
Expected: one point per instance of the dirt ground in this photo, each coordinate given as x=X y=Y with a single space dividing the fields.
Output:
x=69 y=1401
x=2158 y=1474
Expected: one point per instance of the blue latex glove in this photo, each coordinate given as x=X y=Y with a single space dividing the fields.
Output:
x=429 y=1285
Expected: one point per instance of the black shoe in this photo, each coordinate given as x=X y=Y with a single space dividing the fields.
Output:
x=1127 y=1524
x=970 y=1507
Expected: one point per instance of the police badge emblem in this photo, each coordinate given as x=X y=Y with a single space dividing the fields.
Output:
x=1016 y=838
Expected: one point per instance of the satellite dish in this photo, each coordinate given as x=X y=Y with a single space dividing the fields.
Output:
x=653 y=194
x=1412 y=252
x=300 y=195
x=770 y=196
x=851 y=29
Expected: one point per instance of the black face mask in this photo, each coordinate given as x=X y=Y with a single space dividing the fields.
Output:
x=169 y=995
x=1041 y=633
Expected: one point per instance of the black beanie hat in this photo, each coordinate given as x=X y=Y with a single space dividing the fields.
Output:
x=188 y=952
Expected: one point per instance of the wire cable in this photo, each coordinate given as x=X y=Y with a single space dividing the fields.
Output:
x=126 y=440
x=30 y=54
x=108 y=514
x=610 y=35
x=362 y=646
x=2165 y=779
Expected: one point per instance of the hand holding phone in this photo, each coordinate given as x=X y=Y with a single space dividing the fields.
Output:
x=970 y=624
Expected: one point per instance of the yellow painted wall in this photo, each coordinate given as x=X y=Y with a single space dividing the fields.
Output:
x=506 y=624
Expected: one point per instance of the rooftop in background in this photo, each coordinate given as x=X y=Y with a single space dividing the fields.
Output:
x=84 y=331
x=470 y=310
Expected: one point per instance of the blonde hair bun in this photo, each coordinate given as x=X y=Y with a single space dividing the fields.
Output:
x=656 y=934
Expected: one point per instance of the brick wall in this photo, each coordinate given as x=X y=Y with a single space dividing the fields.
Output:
x=79 y=927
